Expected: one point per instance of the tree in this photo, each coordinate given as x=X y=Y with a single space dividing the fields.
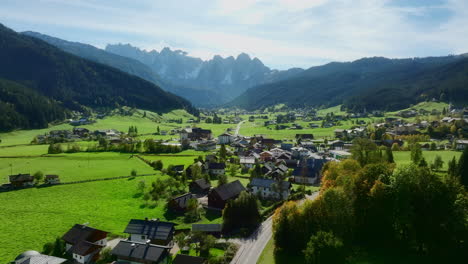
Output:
x=437 y=163
x=242 y=212
x=463 y=167
x=416 y=153
x=222 y=179
x=452 y=168
x=233 y=168
x=38 y=176
x=157 y=165
x=181 y=240
x=324 y=247
x=192 y=213
x=423 y=163
x=141 y=186
x=105 y=256
x=365 y=151
x=223 y=152
x=133 y=173
x=389 y=155
x=56 y=248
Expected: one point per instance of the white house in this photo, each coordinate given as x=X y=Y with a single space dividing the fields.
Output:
x=225 y=138
x=247 y=162
x=84 y=242
x=270 y=189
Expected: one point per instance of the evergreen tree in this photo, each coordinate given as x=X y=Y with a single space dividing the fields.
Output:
x=389 y=155
x=453 y=168
x=416 y=153
x=463 y=167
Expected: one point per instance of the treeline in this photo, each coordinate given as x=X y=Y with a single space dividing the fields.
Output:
x=23 y=107
x=369 y=205
x=103 y=145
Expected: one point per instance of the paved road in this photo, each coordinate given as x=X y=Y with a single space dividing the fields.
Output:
x=252 y=247
x=238 y=128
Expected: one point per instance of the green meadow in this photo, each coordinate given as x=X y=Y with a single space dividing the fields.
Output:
x=31 y=217
x=404 y=157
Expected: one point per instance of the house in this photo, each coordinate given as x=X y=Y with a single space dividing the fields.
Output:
x=200 y=186
x=218 y=197
x=266 y=156
x=80 y=131
x=225 y=138
x=178 y=169
x=340 y=133
x=313 y=125
x=286 y=146
x=52 y=179
x=21 y=180
x=309 y=170
x=153 y=231
x=205 y=145
x=461 y=144
x=304 y=136
x=207 y=228
x=247 y=162
x=34 y=257
x=194 y=134
x=340 y=154
x=186 y=259
x=180 y=202
x=336 y=145
x=299 y=152
x=144 y=253
x=216 y=168
x=270 y=189
x=84 y=243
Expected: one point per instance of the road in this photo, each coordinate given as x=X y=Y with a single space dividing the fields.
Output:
x=238 y=128
x=252 y=247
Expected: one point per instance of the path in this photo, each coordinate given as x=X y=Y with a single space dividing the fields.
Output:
x=252 y=247
x=238 y=128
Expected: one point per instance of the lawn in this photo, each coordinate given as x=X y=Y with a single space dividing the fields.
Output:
x=75 y=167
x=404 y=157
x=34 y=216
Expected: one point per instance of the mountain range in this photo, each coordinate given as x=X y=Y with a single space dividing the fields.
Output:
x=367 y=84
x=225 y=77
x=41 y=83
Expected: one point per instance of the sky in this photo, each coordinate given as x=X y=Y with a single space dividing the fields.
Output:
x=281 y=33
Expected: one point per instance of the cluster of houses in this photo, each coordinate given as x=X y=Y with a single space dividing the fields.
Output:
x=81 y=133
x=148 y=241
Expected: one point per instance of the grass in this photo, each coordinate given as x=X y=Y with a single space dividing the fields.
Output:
x=404 y=157
x=34 y=216
x=77 y=166
x=336 y=110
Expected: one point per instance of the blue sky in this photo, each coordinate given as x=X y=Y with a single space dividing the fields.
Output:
x=282 y=33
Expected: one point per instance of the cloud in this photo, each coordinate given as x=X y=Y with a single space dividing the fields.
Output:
x=282 y=33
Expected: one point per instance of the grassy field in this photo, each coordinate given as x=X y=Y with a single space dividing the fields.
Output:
x=75 y=167
x=34 y=216
x=404 y=157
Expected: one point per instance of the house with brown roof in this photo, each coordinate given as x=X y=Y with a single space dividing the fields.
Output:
x=52 y=179
x=84 y=243
x=180 y=202
x=200 y=186
x=219 y=196
x=21 y=180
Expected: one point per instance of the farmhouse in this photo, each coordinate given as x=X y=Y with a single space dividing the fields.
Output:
x=308 y=171
x=154 y=231
x=194 y=134
x=270 y=189
x=34 y=257
x=200 y=186
x=218 y=197
x=179 y=203
x=21 y=180
x=247 y=162
x=205 y=145
x=135 y=252
x=52 y=179
x=84 y=243
x=80 y=131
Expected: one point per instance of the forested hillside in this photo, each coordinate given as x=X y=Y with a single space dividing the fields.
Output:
x=73 y=81
x=370 y=83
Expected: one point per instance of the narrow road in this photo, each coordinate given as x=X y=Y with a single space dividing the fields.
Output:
x=238 y=128
x=252 y=247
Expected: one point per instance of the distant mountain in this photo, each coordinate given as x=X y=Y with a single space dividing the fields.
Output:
x=369 y=83
x=129 y=65
x=71 y=82
x=228 y=77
